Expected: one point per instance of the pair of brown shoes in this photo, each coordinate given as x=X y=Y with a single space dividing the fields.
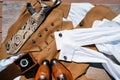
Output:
x=56 y=68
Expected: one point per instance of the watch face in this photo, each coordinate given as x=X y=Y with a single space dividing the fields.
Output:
x=25 y=62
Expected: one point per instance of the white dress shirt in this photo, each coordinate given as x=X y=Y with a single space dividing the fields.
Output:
x=104 y=34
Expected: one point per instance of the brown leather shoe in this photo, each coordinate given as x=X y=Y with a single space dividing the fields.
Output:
x=43 y=72
x=59 y=71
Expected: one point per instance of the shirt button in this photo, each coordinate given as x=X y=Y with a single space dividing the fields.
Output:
x=60 y=34
x=33 y=41
x=81 y=23
x=40 y=35
x=65 y=57
x=46 y=29
x=52 y=24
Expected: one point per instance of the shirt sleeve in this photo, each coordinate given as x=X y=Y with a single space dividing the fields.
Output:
x=71 y=42
x=87 y=36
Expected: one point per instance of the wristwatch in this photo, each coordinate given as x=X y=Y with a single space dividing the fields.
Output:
x=25 y=65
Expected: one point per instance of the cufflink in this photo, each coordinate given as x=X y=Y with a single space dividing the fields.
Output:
x=60 y=34
x=65 y=58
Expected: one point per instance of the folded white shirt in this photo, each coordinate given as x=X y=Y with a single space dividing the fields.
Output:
x=104 y=34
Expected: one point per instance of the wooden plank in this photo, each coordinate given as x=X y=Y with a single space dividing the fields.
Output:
x=11 y=11
x=15 y=0
x=0 y=38
x=0 y=10
x=0 y=24
x=95 y=1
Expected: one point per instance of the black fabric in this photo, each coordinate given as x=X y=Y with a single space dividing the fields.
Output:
x=31 y=73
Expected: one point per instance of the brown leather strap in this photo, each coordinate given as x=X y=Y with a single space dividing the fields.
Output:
x=20 y=66
x=10 y=72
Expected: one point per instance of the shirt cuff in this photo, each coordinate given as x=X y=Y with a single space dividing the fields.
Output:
x=61 y=37
x=58 y=39
x=67 y=51
x=65 y=46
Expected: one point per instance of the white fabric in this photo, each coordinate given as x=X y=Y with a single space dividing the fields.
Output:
x=77 y=12
x=105 y=34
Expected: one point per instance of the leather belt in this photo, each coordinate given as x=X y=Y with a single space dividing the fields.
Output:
x=21 y=66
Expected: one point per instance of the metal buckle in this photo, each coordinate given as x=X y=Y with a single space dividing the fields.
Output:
x=26 y=62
